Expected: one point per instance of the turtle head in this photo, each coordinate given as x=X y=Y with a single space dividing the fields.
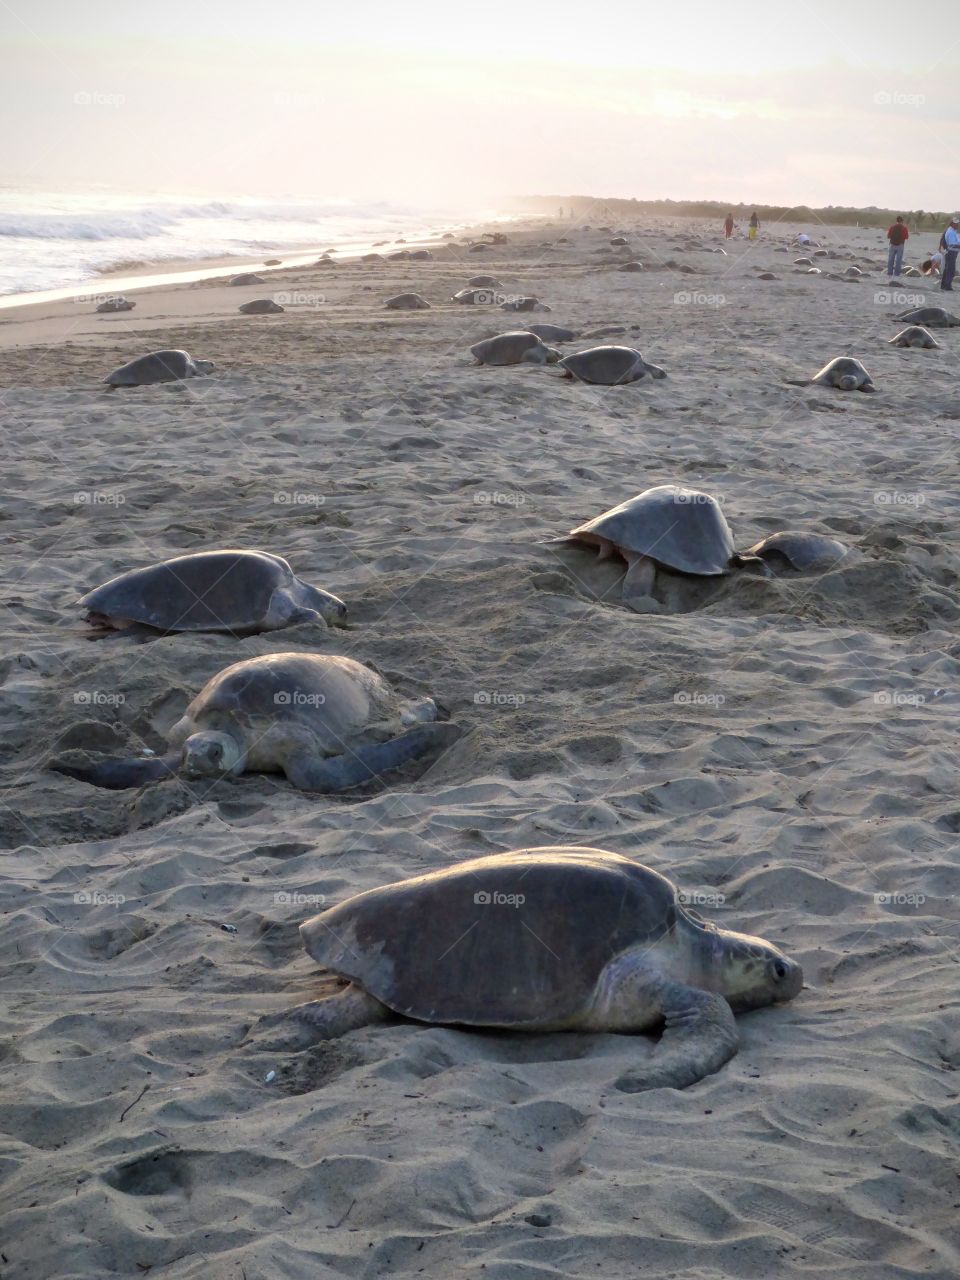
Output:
x=204 y=366
x=847 y=382
x=330 y=607
x=211 y=755
x=748 y=972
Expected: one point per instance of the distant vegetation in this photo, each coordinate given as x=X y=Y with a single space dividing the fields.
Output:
x=592 y=207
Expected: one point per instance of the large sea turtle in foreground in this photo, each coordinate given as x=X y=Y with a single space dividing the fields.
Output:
x=158 y=366
x=327 y=723
x=236 y=591
x=609 y=366
x=551 y=939
x=684 y=530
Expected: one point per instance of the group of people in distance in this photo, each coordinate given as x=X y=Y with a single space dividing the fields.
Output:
x=943 y=263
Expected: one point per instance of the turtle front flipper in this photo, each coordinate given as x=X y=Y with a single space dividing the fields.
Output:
x=359 y=765
x=117 y=775
x=700 y=1035
x=637 y=588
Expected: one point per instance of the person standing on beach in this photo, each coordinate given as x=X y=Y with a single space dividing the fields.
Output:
x=728 y=226
x=951 y=247
x=754 y=225
x=898 y=234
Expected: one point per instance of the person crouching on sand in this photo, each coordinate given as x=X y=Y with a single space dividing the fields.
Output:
x=728 y=226
x=898 y=235
x=933 y=265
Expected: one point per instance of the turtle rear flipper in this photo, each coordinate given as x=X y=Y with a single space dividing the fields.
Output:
x=700 y=1035
x=118 y=775
x=369 y=763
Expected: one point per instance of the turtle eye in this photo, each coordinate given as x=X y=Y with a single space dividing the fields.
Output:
x=780 y=969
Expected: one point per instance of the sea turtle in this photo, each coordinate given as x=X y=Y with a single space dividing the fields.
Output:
x=669 y=525
x=766 y=275
x=562 y=938
x=327 y=723
x=804 y=552
x=484 y=282
x=479 y=248
x=115 y=304
x=401 y=255
x=844 y=373
x=248 y=277
x=373 y=257
x=619 y=240
x=524 y=304
x=240 y=592
x=931 y=317
x=914 y=336
x=475 y=297
x=853 y=273
x=158 y=366
x=407 y=302
x=272 y=262
x=803 y=262
x=552 y=332
x=260 y=307
x=520 y=347
x=420 y=255
x=631 y=266
x=609 y=366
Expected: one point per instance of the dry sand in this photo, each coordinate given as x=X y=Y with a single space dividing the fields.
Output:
x=790 y=745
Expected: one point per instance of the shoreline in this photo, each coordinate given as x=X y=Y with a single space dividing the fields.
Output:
x=170 y=272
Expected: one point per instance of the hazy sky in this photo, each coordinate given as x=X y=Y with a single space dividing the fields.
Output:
x=850 y=102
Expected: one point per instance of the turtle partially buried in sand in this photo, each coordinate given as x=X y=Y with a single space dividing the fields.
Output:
x=542 y=940
x=158 y=366
x=684 y=530
x=327 y=723
x=240 y=592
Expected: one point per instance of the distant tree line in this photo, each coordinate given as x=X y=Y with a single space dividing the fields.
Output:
x=592 y=207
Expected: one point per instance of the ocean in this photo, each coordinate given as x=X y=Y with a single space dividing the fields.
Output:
x=54 y=241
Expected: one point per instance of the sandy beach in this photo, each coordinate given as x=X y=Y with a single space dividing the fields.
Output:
x=783 y=748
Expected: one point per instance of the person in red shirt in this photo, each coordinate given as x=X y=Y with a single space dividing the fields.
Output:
x=898 y=235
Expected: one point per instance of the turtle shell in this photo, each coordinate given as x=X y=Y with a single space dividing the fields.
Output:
x=226 y=590
x=802 y=551
x=158 y=366
x=677 y=527
x=513 y=940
